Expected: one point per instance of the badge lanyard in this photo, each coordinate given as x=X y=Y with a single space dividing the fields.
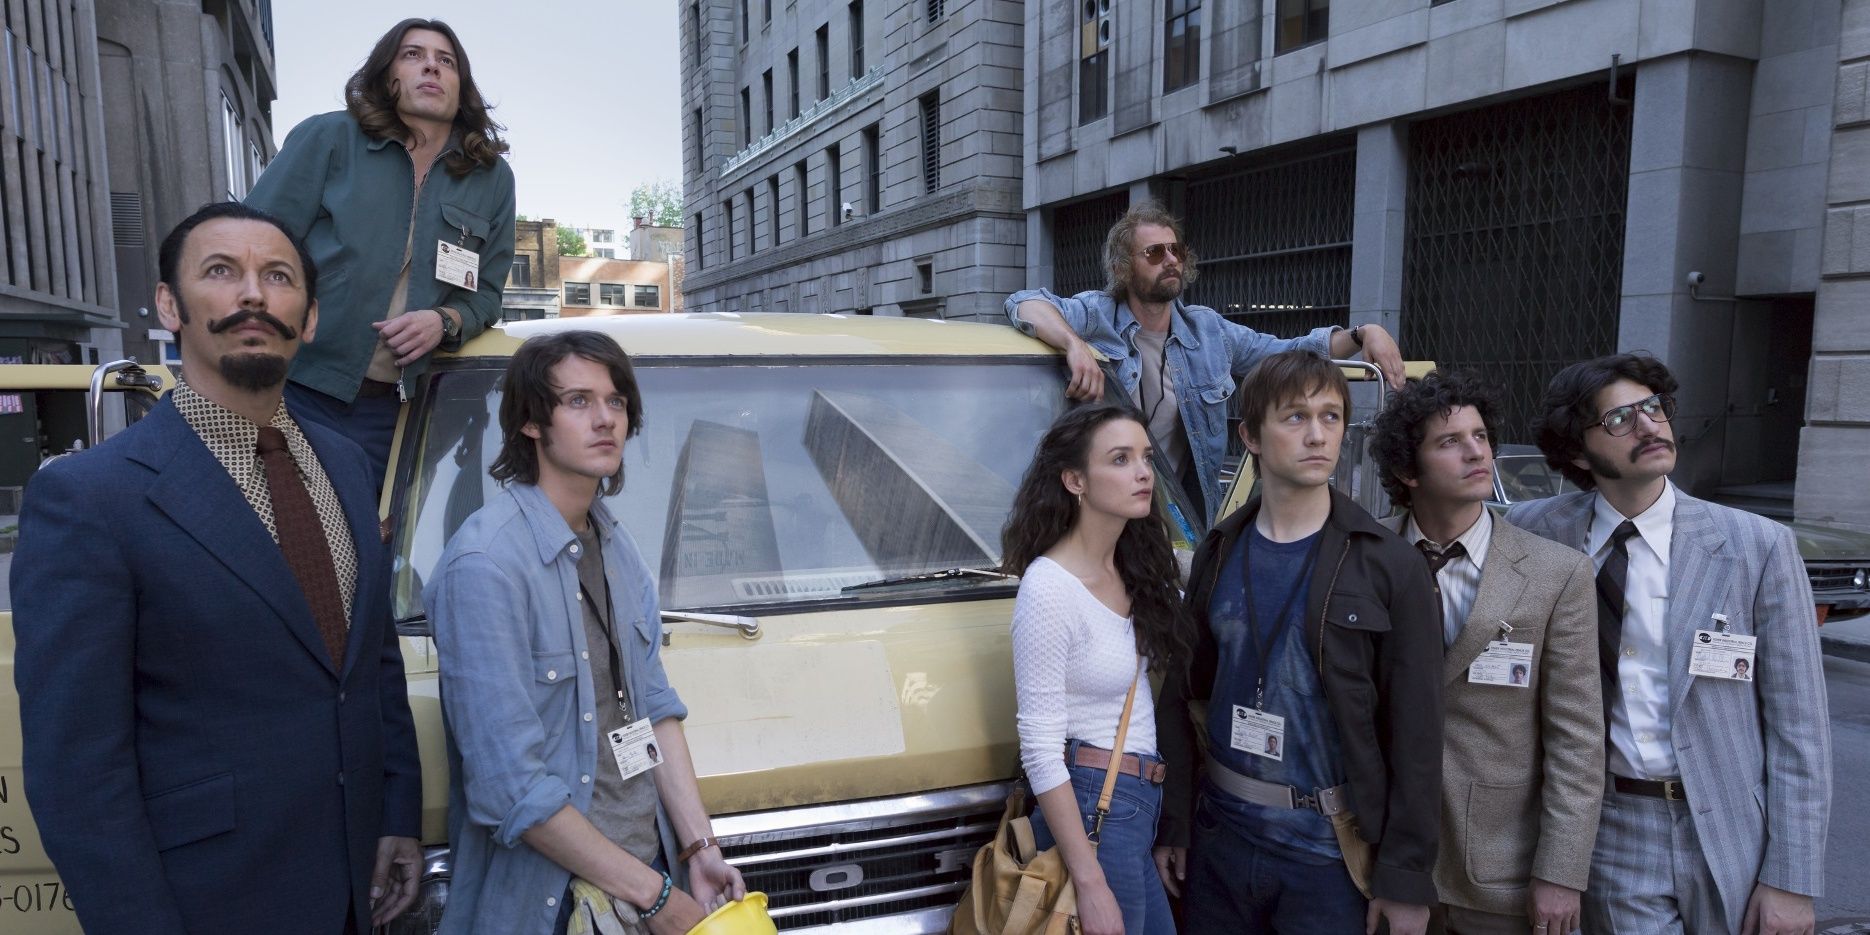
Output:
x=1265 y=643
x=610 y=640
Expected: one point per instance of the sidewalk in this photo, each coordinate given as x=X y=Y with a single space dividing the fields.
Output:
x=1847 y=638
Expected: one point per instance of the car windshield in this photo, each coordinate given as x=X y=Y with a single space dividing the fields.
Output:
x=1529 y=477
x=773 y=484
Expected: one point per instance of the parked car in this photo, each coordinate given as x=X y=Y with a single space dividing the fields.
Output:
x=821 y=498
x=1838 y=560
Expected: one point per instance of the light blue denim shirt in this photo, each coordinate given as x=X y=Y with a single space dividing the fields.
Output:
x=518 y=700
x=1207 y=355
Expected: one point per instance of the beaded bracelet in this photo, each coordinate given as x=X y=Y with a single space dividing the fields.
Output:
x=668 y=884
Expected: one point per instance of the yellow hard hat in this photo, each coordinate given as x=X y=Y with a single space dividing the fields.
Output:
x=740 y=917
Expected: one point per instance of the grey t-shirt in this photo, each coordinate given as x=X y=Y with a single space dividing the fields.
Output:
x=623 y=809
x=1155 y=396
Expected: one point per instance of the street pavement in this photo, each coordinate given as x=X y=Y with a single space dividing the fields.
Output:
x=1845 y=906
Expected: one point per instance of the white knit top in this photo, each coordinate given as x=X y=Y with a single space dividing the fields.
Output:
x=1073 y=659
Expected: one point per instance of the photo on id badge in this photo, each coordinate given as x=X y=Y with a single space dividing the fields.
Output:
x=634 y=747
x=1258 y=733
x=1721 y=654
x=1503 y=662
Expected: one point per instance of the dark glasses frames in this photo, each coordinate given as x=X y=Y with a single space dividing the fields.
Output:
x=1622 y=420
x=1155 y=252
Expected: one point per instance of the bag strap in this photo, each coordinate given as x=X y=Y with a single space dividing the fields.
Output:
x=1116 y=758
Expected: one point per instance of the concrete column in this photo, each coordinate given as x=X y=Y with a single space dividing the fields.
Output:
x=1835 y=443
x=1041 y=253
x=1377 y=226
x=1687 y=159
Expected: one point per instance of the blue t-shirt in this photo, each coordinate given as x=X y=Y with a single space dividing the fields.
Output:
x=1280 y=572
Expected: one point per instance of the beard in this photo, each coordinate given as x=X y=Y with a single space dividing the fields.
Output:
x=252 y=372
x=1163 y=288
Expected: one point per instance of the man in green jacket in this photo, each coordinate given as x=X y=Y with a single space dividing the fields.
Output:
x=410 y=260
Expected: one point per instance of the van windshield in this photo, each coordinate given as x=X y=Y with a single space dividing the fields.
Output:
x=772 y=484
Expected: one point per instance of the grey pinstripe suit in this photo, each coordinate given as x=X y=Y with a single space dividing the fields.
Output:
x=1755 y=757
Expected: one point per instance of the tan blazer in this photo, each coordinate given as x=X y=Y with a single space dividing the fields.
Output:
x=1522 y=768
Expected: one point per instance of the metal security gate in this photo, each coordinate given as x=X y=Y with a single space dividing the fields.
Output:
x=1078 y=232
x=1514 y=255
x=1275 y=241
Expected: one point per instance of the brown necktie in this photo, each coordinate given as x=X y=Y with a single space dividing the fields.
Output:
x=302 y=539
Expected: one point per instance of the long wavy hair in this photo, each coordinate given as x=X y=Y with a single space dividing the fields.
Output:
x=1120 y=248
x=370 y=96
x=1044 y=511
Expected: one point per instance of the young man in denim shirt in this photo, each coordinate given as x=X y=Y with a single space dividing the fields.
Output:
x=1316 y=695
x=571 y=785
x=1178 y=363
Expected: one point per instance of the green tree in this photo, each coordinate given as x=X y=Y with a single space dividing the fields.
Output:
x=570 y=242
x=659 y=201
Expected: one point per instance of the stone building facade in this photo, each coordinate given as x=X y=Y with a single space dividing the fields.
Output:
x=857 y=156
x=188 y=120
x=1505 y=184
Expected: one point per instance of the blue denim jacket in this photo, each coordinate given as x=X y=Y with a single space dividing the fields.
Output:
x=517 y=696
x=1207 y=355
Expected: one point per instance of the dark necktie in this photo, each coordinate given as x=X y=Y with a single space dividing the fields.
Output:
x=1439 y=558
x=1610 y=607
x=302 y=539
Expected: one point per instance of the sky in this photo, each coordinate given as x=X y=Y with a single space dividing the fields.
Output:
x=589 y=90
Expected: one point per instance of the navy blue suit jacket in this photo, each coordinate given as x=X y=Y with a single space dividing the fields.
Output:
x=193 y=759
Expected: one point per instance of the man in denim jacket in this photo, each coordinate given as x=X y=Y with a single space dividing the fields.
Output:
x=1178 y=363
x=565 y=747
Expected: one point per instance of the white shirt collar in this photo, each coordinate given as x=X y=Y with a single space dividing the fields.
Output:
x=1655 y=525
x=1475 y=540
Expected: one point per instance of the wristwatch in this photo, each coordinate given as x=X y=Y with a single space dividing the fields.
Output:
x=451 y=329
x=1357 y=335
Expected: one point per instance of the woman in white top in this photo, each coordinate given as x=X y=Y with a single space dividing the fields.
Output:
x=1097 y=598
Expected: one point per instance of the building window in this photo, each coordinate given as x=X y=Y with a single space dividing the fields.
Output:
x=834 y=187
x=925 y=276
x=1094 y=61
x=772 y=220
x=873 y=169
x=1181 y=51
x=792 y=79
x=521 y=272
x=753 y=224
x=799 y=200
x=233 y=151
x=745 y=29
x=1301 y=23
x=701 y=36
x=701 y=145
x=694 y=224
x=600 y=234
x=931 y=140
x=824 y=61
x=727 y=226
x=648 y=296
x=937 y=9
x=766 y=84
x=605 y=253
x=611 y=293
x=766 y=12
x=746 y=117
x=577 y=293
x=857 y=38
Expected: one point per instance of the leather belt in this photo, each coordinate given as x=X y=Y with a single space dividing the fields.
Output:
x=372 y=389
x=1130 y=765
x=1326 y=802
x=1670 y=789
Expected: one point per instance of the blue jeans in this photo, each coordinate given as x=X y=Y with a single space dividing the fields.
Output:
x=1123 y=849
x=1238 y=887
x=368 y=421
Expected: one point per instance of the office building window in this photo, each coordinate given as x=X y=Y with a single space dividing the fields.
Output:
x=772 y=221
x=521 y=272
x=746 y=117
x=234 y=149
x=1181 y=49
x=1094 y=60
x=577 y=293
x=799 y=199
x=834 y=187
x=611 y=293
x=701 y=35
x=766 y=12
x=766 y=86
x=604 y=253
x=648 y=296
x=792 y=80
x=824 y=61
x=694 y=224
x=931 y=140
x=600 y=234
x=937 y=9
x=745 y=29
x=727 y=226
x=753 y=224
x=857 y=38
x=701 y=137
x=1301 y=23
x=873 y=169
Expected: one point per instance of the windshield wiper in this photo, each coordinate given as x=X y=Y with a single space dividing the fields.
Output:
x=927 y=576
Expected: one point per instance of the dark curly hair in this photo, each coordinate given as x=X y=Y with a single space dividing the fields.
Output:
x=1397 y=434
x=528 y=396
x=1569 y=407
x=1044 y=511
x=370 y=96
x=1120 y=247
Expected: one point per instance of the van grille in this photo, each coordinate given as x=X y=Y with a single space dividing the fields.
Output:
x=769 y=587
x=1831 y=578
x=897 y=858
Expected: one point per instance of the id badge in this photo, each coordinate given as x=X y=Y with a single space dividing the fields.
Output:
x=1259 y=733
x=1503 y=663
x=457 y=266
x=1720 y=655
x=634 y=746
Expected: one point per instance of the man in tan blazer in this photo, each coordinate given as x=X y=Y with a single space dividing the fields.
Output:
x=1523 y=735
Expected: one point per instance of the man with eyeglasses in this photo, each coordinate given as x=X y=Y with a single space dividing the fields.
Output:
x=1178 y=363
x=1719 y=788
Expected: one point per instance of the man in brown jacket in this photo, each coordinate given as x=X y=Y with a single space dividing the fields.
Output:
x=1523 y=749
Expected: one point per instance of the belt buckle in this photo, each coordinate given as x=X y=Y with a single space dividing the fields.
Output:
x=1305 y=802
x=1672 y=791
